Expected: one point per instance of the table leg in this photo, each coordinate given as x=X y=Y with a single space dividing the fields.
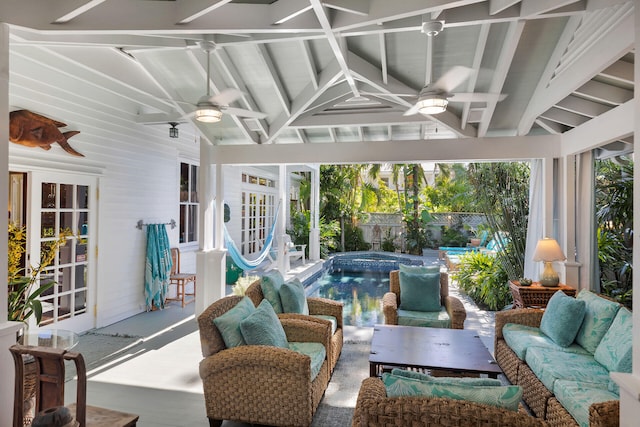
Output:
x=373 y=369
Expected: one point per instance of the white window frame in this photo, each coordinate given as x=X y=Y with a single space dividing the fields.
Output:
x=191 y=205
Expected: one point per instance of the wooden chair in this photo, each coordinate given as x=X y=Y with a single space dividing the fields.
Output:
x=181 y=280
x=49 y=374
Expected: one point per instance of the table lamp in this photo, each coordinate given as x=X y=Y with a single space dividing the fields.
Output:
x=548 y=250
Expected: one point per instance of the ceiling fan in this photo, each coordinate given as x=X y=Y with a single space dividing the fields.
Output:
x=209 y=109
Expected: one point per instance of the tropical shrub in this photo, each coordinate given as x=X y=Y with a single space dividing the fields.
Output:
x=482 y=277
x=354 y=239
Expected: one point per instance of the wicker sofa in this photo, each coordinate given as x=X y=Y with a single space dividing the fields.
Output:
x=320 y=309
x=260 y=384
x=375 y=409
x=567 y=386
x=453 y=306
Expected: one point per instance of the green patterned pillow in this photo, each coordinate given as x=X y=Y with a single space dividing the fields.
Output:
x=263 y=327
x=419 y=292
x=615 y=350
x=507 y=397
x=419 y=269
x=270 y=284
x=598 y=316
x=446 y=380
x=229 y=323
x=562 y=318
x=293 y=297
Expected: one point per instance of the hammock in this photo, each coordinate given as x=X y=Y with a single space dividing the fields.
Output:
x=237 y=257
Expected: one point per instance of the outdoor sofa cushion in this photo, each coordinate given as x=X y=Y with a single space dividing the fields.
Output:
x=507 y=397
x=522 y=337
x=332 y=319
x=420 y=292
x=576 y=397
x=551 y=365
x=229 y=323
x=270 y=284
x=262 y=327
x=432 y=319
x=419 y=269
x=293 y=298
x=562 y=318
x=598 y=317
x=446 y=380
x=314 y=350
x=615 y=348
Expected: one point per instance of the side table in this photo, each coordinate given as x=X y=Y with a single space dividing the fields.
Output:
x=535 y=295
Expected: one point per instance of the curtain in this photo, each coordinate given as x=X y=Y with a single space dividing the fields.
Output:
x=157 y=266
x=535 y=227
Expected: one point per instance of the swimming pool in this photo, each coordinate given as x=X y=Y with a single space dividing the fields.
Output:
x=359 y=280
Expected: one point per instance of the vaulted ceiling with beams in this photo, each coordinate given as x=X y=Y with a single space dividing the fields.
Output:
x=334 y=71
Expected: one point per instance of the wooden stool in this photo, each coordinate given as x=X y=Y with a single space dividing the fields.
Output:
x=50 y=388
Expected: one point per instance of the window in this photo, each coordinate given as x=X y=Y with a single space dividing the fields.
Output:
x=258 y=210
x=188 y=203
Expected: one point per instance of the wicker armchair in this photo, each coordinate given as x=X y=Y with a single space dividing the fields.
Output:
x=317 y=306
x=374 y=408
x=391 y=301
x=260 y=384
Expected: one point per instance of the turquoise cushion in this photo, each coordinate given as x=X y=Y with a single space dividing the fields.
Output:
x=446 y=380
x=314 y=350
x=293 y=297
x=615 y=349
x=270 y=284
x=419 y=269
x=521 y=337
x=431 y=319
x=551 y=365
x=229 y=323
x=562 y=318
x=577 y=397
x=598 y=316
x=501 y=396
x=420 y=292
x=332 y=319
x=263 y=327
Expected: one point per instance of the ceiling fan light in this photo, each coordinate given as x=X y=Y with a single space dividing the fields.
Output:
x=208 y=114
x=432 y=105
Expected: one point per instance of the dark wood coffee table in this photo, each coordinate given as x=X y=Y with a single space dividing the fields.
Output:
x=455 y=351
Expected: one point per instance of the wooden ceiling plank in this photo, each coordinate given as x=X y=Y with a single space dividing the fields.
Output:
x=604 y=92
x=538 y=7
x=77 y=11
x=357 y=7
x=620 y=71
x=582 y=106
x=497 y=6
x=191 y=10
x=282 y=11
x=564 y=117
x=309 y=62
x=275 y=78
x=477 y=60
x=551 y=127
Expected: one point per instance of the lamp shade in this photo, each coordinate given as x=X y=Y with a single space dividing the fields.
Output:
x=548 y=250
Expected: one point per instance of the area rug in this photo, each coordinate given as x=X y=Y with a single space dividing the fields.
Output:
x=339 y=401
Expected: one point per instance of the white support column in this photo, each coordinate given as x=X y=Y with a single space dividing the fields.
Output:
x=283 y=191
x=210 y=259
x=585 y=220
x=7 y=329
x=568 y=224
x=630 y=383
x=314 y=228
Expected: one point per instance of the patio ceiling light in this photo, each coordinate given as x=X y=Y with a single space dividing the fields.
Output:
x=432 y=104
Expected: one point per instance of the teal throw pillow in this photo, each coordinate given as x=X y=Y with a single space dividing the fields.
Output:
x=598 y=316
x=229 y=323
x=446 y=380
x=615 y=350
x=293 y=297
x=419 y=269
x=507 y=397
x=270 y=284
x=562 y=318
x=263 y=327
x=419 y=292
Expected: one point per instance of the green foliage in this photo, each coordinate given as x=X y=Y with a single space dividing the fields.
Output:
x=329 y=231
x=387 y=242
x=354 y=240
x=299 y=231
x=452 y=191
x=482 y=277
x=455 y=235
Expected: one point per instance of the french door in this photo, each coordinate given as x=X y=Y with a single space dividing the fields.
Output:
x=64 y=203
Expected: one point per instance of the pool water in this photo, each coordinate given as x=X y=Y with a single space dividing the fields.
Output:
x=360 y=291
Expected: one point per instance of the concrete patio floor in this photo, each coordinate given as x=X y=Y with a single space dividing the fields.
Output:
x=148 y=364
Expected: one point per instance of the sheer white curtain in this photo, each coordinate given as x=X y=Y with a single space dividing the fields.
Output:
x=535 y=227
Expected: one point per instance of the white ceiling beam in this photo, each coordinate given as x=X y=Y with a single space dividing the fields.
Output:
x=332 y=135
x=497 y=6
x=191 y=10
x=477 y=60
x=582 y=106
x=613 y=125
x=602 y=92
x=357 y=119
x=273 y=75
x=620 y=71
x=551 y=127
x=285 y=10
x=77 y=11
x=328 y=98
x=328 y=76
x=603 y=53
x=309 y=62
x=357 y=7
x=508 y=50
x=334 y=44
x=457 y=150
x=538 y=7
x=29 y=38
x=383 y=58
x=302 y=136
x=564 y=117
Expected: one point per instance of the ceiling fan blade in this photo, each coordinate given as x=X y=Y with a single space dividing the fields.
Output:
x=411 y=111
x=226 y=97
x=243 y=113
x=408 y=95
x=477 y=97
x=452 y=78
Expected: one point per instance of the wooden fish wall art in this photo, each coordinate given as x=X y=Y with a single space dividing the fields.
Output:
x=33 y=130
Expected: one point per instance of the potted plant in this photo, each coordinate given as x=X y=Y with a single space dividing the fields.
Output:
x=24 y=301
